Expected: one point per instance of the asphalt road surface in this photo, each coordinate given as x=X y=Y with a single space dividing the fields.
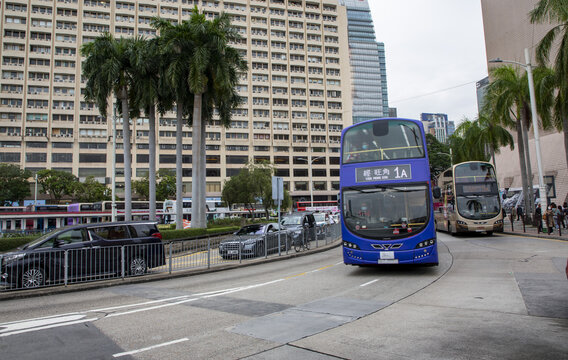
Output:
x=500 y=297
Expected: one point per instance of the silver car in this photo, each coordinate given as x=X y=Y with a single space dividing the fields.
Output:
x=254 y=241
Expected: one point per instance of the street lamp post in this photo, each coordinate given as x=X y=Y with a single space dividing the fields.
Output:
x=528 y=68
x=113 y=192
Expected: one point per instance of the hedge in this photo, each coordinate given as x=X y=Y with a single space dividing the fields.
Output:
x=189 y=233
x=11 y=243
x=7 y=244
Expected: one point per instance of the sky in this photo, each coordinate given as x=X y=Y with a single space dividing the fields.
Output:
x=435 y=53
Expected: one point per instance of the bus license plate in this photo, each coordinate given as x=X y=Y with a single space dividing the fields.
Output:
x=391 y=261
x=387 y=255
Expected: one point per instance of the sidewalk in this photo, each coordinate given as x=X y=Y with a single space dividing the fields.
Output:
x=517 y=228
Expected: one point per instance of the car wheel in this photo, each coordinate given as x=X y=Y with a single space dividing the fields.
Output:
x=33 y=277
x=138 y=266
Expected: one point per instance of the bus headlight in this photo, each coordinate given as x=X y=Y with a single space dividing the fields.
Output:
x=425 y=243
x=498 y=222
x=459 y=222
x=349 y=245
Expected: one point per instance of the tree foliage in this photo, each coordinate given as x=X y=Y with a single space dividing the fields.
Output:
x=253 y=184
x=438 y=154
x=57 y=183
x=14 y=184
x=91 y=191
x=165 y=185
x=555 y=12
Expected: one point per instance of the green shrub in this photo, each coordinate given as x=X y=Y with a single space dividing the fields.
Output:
x=11 y=243
x=188 y=233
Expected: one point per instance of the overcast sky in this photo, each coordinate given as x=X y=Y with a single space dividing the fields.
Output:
x=435 y=53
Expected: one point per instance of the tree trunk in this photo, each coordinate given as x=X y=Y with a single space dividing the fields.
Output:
x=522 y=162
x=127 y=156
x=179 y=172
x=198 y=189
x=152 y=162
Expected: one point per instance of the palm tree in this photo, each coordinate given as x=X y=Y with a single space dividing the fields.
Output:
x=203 y=70
x=493 y=136
x=555 y=12
x=508 y=102
x=471 y=144
x=150 y=93
x=108 y=70
x=177 y=47
x=213 y=77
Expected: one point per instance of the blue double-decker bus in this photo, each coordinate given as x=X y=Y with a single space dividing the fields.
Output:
x=385 y=194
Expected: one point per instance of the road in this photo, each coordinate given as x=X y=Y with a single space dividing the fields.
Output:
x=500 y=297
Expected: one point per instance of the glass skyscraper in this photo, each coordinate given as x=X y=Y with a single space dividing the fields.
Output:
x=368 y=64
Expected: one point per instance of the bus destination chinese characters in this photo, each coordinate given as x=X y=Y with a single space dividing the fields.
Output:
x=380 y=173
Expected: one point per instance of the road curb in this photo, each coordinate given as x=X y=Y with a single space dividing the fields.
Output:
x=535 y=235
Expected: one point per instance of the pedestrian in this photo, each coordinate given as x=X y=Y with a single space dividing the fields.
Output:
x=519 y=212
x=561 y=217
x=549 y=219
x=555 y=216
x=565 y=211
x=538 y=217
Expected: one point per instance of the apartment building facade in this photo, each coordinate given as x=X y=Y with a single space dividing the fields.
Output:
x=296 y=94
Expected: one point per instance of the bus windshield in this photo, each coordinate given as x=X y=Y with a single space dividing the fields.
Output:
x=476 y=191
x=382 y=140
x=384 y=212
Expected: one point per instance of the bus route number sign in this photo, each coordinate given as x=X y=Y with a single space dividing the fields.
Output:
x=380 y=173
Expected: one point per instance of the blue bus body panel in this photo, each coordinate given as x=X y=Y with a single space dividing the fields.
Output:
x=405 y=251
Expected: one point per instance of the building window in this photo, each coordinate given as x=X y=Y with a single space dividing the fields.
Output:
x=63 y=157
x=92 y=158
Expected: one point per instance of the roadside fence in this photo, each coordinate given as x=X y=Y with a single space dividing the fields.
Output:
x=55 y=267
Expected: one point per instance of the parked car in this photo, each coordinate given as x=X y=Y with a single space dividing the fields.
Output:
x=84 y=252
x=322 y=224
x=301 y=223
x=251 y=240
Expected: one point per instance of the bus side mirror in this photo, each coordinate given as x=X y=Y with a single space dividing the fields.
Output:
x=436 y=192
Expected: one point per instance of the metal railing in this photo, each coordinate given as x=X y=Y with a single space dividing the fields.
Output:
x=55 y=267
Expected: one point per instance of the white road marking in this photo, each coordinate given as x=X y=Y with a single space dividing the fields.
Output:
x=48 y=322
x=149 y=348
x=25 y=330
x=369 y=283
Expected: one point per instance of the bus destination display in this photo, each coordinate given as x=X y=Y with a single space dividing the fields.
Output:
x=380 y=173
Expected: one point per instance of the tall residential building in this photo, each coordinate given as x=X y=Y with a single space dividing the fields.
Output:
x=297 y=92
x=508 y=32
x=368 y=64
x=438 y=125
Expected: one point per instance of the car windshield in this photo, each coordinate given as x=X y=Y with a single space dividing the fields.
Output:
x=291 y=220
x=251 y=230
x=40 y=239
x=319 y=217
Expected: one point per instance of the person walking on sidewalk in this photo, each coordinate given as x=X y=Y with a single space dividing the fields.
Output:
x=549 y=219
x=555 y=216
x=538 y=218
x=519 y=212
x=561 y=217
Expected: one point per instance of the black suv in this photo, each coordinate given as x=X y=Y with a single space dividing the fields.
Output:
x=84 y=252
x=301 y=223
